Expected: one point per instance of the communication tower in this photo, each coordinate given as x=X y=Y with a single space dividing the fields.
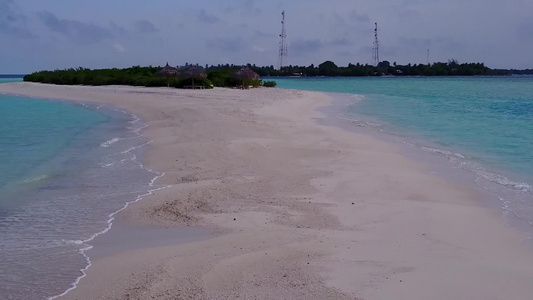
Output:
x=375 y=50
x=283 y=53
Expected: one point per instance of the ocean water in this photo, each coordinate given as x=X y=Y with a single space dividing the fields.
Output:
x=10 y=78
x=482 y=126
x=66 y=169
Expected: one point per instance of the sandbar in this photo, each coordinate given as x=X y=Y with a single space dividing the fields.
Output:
x=295 y=209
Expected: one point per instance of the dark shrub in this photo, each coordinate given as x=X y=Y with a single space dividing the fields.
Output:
x=246 y=82
x=156 y=81
x=269 y=84
x=220 y=77
x=189 y=82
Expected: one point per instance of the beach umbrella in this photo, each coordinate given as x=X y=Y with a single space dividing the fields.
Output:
x=193 y=73
x=167 y=71
x=245 y=73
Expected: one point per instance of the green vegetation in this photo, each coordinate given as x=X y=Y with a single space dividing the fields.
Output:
x=139 y=76
x=269 y=84
x=384 y=68
x=244 y=82
x=189 y=82
x=221 y=75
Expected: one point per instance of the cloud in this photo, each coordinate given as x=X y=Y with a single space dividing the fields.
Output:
x=6 y=11
x=251 y=8
x=53 y=23
x=414 y=42
x=358 y=17
x=145 y=26
x=345 y=53
x=204 y=17
x=306 y=46
x=338 y=20
x=524 y=31
x=229 y=9
x=407 y=14
x=117 y=29
x=261 y=34
x=11 y=22
x=246 y=7
x=422 y=44
x=76 y=30
x=226 y=44
x=259 y=49
x=365 y=51
x=353 y=17
x=243 y=25
x=119 y=47
x=341 y=42
x=408 y=3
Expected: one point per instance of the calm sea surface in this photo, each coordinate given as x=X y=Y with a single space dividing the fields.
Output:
x=66 y=168
x=481 y=125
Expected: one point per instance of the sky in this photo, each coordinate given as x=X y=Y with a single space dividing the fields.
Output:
x=56 y=34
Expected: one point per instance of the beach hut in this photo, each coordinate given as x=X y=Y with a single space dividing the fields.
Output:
x=167 y=71
x=193 y=73
x=245 y=74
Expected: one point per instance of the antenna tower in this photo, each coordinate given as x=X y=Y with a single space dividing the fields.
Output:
x=282 y=43
x=375 y=50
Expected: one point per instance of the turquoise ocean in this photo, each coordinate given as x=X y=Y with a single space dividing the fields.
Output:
x=476 y=131
x=66 y=169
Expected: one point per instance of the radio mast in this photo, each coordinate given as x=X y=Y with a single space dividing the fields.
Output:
x=282 y=43
x=375 y=50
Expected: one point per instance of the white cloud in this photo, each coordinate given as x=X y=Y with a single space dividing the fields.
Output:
x=258 y=49
x=119 y=47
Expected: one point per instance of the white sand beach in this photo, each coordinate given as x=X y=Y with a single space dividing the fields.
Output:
x=294 y=209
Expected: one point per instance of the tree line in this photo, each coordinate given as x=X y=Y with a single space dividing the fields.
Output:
x=220 y=75
x=141 y=76
x=328 y=68
x=384 y=68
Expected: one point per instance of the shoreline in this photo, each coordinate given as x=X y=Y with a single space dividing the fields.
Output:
x=83 y=169
x=299 y=210
x=447 y=163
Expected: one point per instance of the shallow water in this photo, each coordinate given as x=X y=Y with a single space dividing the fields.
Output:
x=480 y=125
x=66 y=168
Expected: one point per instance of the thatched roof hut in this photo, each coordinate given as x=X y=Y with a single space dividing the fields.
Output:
x=245 y=73
x=167 y=71
x=248 y=77
x=194 y=72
